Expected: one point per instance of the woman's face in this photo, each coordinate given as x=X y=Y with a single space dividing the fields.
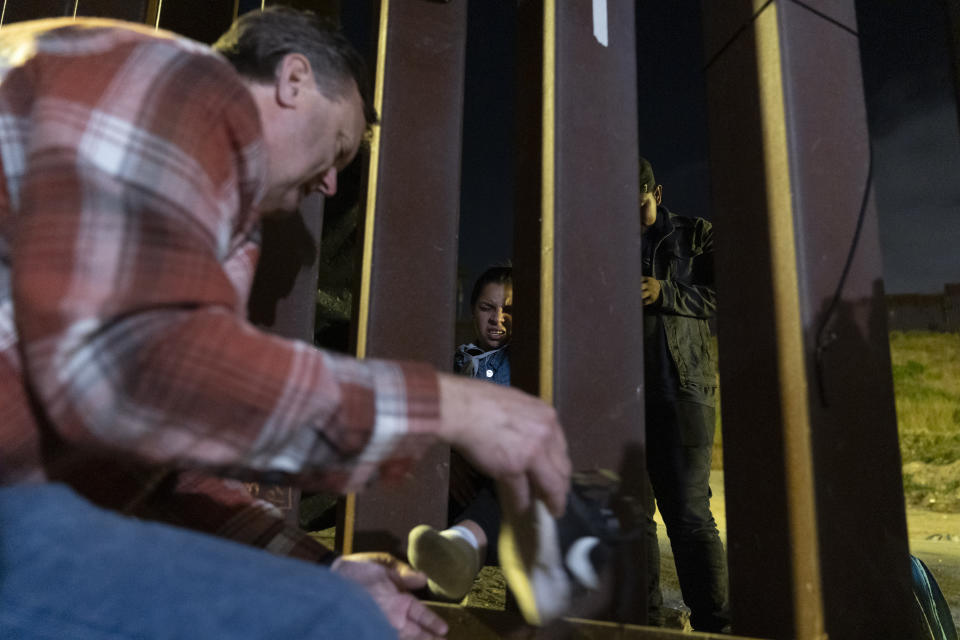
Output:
x=492 y=315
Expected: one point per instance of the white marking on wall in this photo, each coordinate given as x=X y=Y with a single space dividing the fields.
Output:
x=600 y=21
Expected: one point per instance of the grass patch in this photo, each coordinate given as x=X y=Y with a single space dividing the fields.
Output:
x=926 y=380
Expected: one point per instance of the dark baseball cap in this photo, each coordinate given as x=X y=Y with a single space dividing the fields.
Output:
x=647 y=182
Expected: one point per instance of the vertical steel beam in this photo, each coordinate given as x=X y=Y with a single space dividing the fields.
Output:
x=578 y=237
x=596 y=232
x=407 y=297
x=816 y=540
x=597 y=389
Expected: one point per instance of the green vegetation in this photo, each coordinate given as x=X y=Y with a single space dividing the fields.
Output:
x=926 y=379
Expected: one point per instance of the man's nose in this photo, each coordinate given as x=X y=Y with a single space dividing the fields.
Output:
x=328 y=182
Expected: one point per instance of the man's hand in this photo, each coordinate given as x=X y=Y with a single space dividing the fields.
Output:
x=388 y=581
x=510 y=436
x=649 y=290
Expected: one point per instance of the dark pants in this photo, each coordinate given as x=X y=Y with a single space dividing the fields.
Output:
x=679 y=445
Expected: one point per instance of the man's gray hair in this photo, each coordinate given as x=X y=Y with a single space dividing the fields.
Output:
x=257 y=42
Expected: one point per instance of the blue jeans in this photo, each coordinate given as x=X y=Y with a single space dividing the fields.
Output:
x=679 y=447
x=69 y=569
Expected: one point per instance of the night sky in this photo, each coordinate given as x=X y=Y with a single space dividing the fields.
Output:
x=911 y=101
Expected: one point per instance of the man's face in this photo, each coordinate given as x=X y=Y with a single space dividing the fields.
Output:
x=649 y=201
x=309 y=138
x=493 y=315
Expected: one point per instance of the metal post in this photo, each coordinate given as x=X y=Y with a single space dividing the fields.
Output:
x=816 y=528
x=578 y=240
x=407 y=291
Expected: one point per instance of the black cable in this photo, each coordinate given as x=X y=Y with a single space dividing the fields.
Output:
x=824 y=338
x=757 y=13
x=736 y=35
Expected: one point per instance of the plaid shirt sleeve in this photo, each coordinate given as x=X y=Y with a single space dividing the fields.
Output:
x=226 y=508
x=141 y=168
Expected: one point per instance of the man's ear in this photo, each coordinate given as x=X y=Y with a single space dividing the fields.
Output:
x=294 y=76
x=658 y=194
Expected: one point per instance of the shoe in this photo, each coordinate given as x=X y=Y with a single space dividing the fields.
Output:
x=450 y=562
x=546 y=562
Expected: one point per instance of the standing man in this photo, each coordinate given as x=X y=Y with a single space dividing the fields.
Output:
x=135 y=168
x=681 y=386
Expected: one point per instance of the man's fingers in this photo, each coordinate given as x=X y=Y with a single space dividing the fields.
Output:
x=406 y=577
x=373 y=557
x=426 y=619
x=549 y=474
x=551 y=481
x=400 y=573
x=545 y=474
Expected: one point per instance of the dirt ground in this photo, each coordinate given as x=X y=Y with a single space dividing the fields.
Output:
x=934 y=538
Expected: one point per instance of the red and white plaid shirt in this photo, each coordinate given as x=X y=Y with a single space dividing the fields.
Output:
x=132 y=161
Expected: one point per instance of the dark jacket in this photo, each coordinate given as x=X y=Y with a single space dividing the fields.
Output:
x=682 y=261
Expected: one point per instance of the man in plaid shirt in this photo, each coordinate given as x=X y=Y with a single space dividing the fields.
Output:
x=136 y=169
